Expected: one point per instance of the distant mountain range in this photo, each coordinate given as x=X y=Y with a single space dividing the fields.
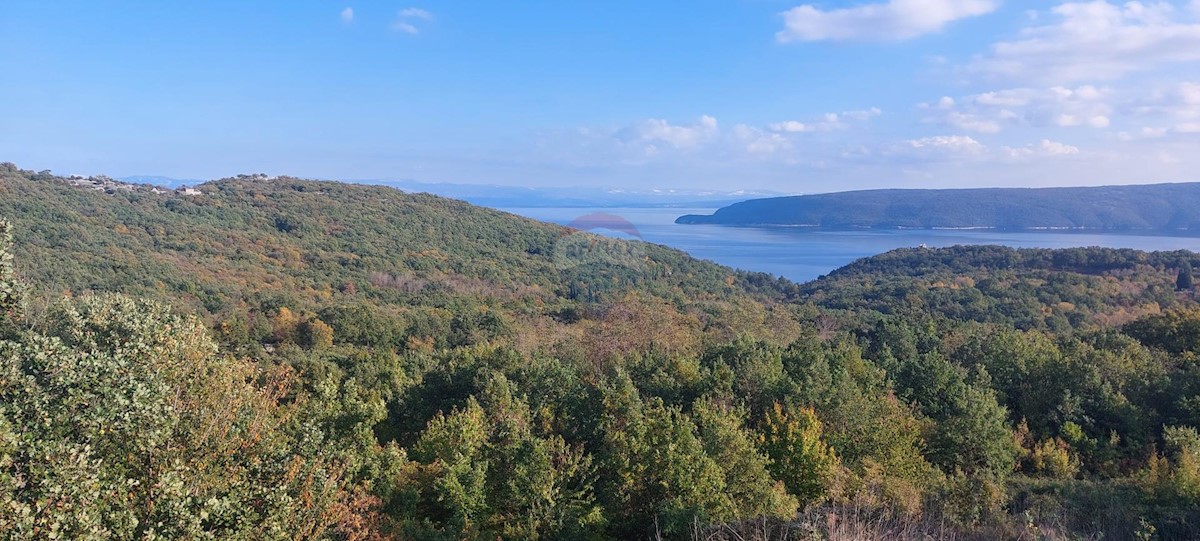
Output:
x=497 y=196
x=489 y=195
x=1154 y=207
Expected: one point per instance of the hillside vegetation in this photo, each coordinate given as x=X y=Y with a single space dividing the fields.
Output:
x=1159 y=207
x=1036 y=289
x=290 y=359
x=247 y=247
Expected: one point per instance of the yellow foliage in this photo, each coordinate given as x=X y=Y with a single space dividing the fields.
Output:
x=420 y=344
x=285 y=325
x=1053 y=458
x=320 y=334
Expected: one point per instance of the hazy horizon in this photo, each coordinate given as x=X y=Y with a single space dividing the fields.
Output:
x=768 y=95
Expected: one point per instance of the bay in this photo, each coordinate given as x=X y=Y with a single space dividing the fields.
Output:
x=805 y=254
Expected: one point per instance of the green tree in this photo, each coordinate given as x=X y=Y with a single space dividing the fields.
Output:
x=1183 y=282
x=1174 y=477
x=877 y=437
x=481 y=472
x=748 y=480
x=120 y=421
x=446 y=483
x=10 y=289
x=799 y=455
x=654 y=466
x=975 y=438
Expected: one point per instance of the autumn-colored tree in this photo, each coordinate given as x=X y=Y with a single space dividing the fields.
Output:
x=120 y=420
x=316 y=334
x=800 y=457
x=10 y=289
x=1174 y=477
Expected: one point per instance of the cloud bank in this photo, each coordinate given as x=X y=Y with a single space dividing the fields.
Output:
x=1095 y=41
x=891 y=21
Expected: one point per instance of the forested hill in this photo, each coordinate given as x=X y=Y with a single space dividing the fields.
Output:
x=251 y=236
x=1029 y=288
x=1158 y=207
x=374 y=365
x=253 y=245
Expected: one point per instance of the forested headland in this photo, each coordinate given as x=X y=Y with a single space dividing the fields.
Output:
x=1156 y=208
x=294 y=359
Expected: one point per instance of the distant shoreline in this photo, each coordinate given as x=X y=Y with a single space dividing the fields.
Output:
x=1182 y=232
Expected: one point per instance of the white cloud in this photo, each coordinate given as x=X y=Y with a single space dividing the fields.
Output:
x=952 y=144
x=661 y=141
x=1058 y=106
x=889 y=21
x=1096 y=40
x=761 y=142
x=964 y=150
x=407 y=28
x=1181 y=102
x=1175 y=109
x=655 y=130
x=704 y=150
x=1046 y=148
x=1190 y=92
x=406 y=18
x=1052 y=148
x=1004 y=98
x=791 y=126
x=865 y=114
x=827 y=122
x=348 y=15
x=776 y=139
x=1068 y=121
x=972 y=122
x=416 y=13
x=1147 y=132
x=1164 y=112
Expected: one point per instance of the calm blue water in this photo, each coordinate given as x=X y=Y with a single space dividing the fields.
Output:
x=802 y=255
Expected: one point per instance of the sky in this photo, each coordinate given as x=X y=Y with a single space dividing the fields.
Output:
x=779 y=95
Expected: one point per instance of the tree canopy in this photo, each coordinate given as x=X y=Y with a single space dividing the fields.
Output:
x=306 y=360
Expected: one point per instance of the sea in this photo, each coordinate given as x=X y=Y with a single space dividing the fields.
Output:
x=802 y=254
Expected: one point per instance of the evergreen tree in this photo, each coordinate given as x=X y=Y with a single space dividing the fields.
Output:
x=1184 y=282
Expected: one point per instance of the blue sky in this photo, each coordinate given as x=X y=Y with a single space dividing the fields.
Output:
x=730 y=94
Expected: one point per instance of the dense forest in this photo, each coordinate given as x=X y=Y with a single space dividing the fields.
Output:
x=1166 y=208
x=293 y=359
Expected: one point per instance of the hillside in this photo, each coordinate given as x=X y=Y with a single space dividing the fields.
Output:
x=256 y=244
x=1159 y=208
x=276 y=358
x=1033 y=289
